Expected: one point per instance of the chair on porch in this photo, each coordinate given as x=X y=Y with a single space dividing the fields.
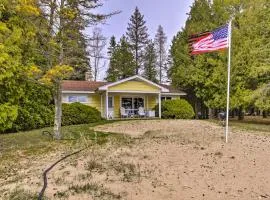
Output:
x=141 y=112
x=123 y=113
x=110 y=113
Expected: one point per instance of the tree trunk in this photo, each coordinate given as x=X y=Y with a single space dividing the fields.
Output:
x=160 y=68
x=196 y=108
x=137 y=58
x=264 y=114
x=58 y=91
x=61 y=27
x=240 y=113
x=58 y=112
x=233 y=113
x=211 y=115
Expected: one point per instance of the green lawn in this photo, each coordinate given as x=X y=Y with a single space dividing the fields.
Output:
x=250 y=123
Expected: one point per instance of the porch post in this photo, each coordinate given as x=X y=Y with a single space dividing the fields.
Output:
x=101 y=105
x=159 y=105
x=106 y=104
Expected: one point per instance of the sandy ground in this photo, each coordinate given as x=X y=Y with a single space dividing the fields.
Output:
x=164 y=159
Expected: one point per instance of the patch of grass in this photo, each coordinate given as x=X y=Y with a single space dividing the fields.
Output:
x=84 y=176
x=250 y=126
x=21 y=194
x=59 y=180
x=97 y=191
x=15 y=147
x=61 y=195
x=93 y=165
x=129 y=171
x=249 y=123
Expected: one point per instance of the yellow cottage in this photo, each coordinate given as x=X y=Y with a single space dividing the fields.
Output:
x=128 y=98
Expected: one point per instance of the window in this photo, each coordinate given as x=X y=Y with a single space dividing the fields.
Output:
x=82 y=99
x=166 y=98
x=127 y=103
x=138 y=102
x=132 y=102
x=73 y=99
x=110 y=102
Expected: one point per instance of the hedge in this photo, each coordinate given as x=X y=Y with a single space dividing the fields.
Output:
x=176 y=109
x=77 y=113
x=33 y=116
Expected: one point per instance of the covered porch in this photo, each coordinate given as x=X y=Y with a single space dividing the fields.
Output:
x=125 y=105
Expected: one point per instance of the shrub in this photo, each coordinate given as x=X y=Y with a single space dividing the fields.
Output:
x=176 y=109
x=33 y=116
x=77 y=113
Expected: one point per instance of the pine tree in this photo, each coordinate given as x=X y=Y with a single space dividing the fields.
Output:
x=112 y=46
x=160 y=42
x=137 y=37
x=74 y=40
x=150 y=61
x=122 y=62
x=112 y=72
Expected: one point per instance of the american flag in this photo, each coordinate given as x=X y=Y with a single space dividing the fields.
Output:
x=210 y=41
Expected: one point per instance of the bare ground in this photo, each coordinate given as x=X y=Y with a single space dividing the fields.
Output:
x=163 y=159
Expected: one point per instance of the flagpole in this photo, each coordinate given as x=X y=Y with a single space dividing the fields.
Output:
x=228 y=81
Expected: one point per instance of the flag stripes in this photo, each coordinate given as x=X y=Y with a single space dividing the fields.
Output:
x=209 y=41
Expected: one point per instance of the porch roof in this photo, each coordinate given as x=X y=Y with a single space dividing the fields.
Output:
x=72 y=86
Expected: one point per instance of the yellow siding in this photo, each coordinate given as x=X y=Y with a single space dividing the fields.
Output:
x=95 y=101
x=134 y=86
x=151 y=102
x=116 y=106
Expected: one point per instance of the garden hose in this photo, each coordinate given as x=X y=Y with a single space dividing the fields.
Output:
x=45 y=181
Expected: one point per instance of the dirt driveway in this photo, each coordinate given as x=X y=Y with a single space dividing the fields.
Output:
x=189 y=160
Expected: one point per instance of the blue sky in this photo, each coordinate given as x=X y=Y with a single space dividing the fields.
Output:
x=171 y=14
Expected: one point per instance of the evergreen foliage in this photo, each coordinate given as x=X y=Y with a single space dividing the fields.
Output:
x=205 y=76
x=122 y=63
x=137 y=37
x=112 y=72
x=176 y=109
x=77 y=113
x=150 y=62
